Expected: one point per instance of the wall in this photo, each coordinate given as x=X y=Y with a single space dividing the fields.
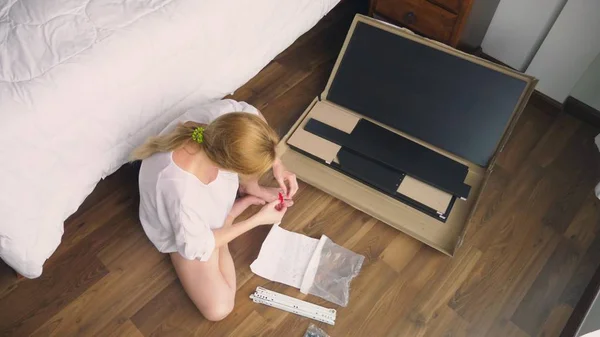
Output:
x=587 y=88
x=518 y=28
x=570 y=47
x=478 y=22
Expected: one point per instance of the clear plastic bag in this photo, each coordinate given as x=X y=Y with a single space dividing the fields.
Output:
x=314 y=331
x=330 y=271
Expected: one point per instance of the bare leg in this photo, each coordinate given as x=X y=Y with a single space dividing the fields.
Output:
x=227 y=267
x=206 y=285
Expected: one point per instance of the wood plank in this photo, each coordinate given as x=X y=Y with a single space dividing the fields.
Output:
x=68 y=274
x=582 y=275
x=429 y=303
x=117 y=205
x=126 y=329
x=582 y=307
x=584 y=227
x=556 y=321
x=374 y=242
x=33 y=302
x=554 y=141
x=576 y=174
x=520 y=189
x=149 y=317
x=532 y=126
x=291 y=68
x=400 y=252
x=283 y=112
x=489 y=287
x=253 y=325
x=8 y=280
x=490 y=202
x=526 y=199
x=399 y=296
x=118 y=295
x=542 y=296
x=184 y=321
x=445 y=322
x=447 y=283
x=506 y=328
x=147 y=287
x=574 y=156
x=546 y=242
x=74 y=266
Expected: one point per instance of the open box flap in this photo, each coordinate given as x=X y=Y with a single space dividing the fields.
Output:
x=443 y=134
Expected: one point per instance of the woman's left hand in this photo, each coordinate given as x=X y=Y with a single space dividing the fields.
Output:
x=282 y=176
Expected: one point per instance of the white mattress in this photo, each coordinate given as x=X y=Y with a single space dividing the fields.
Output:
x=82 y=82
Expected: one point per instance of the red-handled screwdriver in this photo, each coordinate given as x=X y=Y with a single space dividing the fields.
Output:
x=281 y=204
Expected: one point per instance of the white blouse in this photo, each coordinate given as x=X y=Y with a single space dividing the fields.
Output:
x=178 y=211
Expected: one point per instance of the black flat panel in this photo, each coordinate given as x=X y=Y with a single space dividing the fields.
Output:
x=375 y=174
x=367 y=181
x=402 y=154
x=447 y=101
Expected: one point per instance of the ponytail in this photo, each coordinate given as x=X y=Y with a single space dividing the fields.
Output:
x=165 y=143
x=237 y=141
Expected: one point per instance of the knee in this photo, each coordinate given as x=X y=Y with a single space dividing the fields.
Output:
x=218 y=311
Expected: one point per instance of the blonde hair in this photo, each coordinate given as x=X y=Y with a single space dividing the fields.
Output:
x=238 y=142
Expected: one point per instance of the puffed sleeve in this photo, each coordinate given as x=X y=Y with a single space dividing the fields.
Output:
x=193 y=236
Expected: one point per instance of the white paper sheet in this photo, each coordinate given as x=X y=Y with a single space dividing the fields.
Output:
x=284 y=257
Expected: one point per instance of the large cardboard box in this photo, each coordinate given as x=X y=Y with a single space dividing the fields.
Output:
x=445 y=237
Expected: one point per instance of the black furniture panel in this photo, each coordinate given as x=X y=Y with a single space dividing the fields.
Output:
x=353 y=165
x=382 y=177
x=444 y=100
x=399 y=153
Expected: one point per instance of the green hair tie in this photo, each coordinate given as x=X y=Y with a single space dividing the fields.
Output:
x=198 y=135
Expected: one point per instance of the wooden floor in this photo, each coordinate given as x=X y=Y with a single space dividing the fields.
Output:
x=530 y=250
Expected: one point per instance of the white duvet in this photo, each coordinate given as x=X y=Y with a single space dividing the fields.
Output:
x=82 y=82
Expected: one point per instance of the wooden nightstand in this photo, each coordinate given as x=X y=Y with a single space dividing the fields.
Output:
x=440 y=20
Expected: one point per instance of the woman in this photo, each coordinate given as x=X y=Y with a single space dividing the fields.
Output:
x=188 y=183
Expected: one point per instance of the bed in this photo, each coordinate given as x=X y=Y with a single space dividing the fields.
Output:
x=82 y=82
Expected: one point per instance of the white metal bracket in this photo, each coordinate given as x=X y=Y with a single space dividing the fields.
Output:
x=293 y=305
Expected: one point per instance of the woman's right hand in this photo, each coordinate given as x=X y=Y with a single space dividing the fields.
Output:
x=270 y=214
